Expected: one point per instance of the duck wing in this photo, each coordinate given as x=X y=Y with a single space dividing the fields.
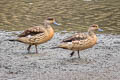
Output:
x=32 y=31
x=76 y=37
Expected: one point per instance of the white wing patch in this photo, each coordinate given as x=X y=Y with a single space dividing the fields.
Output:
x=29 y=36
x=69 y=42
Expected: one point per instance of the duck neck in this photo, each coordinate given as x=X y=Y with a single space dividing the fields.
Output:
x=46 y=24
x=91 y=32
x=49 y=30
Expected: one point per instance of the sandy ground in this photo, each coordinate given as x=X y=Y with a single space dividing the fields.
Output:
x=102 y=62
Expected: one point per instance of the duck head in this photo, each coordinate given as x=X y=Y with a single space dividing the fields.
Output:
x=50 y=20
x=94 y=27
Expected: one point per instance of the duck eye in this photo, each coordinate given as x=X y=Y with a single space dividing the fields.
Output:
x=50 y=19
x=93 y=26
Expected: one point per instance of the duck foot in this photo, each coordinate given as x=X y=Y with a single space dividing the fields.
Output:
x=78 y=54
x=71 y=54
x=36 y=49
x=29 y=48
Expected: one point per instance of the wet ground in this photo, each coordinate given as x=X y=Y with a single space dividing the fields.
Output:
x=102 y=62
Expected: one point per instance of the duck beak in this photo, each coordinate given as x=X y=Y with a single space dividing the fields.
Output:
x=56 y=23
x=100 y=30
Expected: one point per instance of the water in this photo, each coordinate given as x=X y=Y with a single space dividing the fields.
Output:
x=74 y=15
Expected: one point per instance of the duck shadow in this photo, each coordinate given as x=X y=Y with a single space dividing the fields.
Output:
x=76 y=61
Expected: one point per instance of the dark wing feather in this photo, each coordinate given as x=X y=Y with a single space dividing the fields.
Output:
x=32 y=31
x=79 y=36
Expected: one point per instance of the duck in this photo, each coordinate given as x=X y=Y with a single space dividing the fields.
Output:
x=38 y=34
x=80 y=41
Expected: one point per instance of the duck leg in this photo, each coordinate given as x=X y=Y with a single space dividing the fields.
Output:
x=29 y=48
x=36 y=48
x=78 y=54
x=71 y=54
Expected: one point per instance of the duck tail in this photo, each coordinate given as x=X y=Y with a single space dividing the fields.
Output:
x=62 y=45
x=12 y=40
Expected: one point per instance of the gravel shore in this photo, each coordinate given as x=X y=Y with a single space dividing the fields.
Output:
x=102 y=62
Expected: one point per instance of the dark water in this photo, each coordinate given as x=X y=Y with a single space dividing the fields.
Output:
x=75 y=15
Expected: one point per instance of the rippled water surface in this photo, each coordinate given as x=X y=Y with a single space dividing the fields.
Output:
x=74 y=15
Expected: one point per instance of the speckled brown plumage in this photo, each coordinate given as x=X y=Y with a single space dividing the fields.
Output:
x=38 y=34
x=32 y=31
x=80 y=41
